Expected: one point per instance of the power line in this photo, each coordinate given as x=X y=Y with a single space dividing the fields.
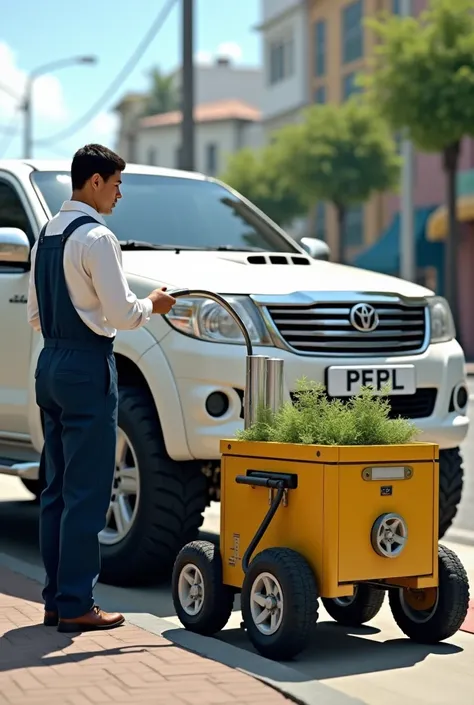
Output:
x=116 y=83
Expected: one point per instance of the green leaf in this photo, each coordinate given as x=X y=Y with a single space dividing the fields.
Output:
x=314 y=419
x=422 y=74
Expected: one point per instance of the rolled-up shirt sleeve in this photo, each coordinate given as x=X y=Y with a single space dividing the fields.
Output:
x=32 y=305
x=120 y=305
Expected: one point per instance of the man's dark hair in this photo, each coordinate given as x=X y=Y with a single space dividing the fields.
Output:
x=94 y=159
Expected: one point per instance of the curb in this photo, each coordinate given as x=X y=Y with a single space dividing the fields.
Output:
x=288 y=681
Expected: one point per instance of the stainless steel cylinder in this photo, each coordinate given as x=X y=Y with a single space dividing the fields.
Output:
x=255 y=387
x=274 y=384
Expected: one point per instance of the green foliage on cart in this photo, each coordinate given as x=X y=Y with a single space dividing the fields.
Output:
x=313 y=418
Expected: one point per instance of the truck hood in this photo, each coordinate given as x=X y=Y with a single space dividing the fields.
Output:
x=233 y=273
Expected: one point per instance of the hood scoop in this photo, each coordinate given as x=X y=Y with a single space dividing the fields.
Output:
x=278 y=259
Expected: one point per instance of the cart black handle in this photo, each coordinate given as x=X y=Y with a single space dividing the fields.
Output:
x=202 y=293
x=270 y=482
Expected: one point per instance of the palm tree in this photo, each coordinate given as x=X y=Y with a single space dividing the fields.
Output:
x=163 y=95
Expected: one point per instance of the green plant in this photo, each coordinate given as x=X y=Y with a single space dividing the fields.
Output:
x=312 y=418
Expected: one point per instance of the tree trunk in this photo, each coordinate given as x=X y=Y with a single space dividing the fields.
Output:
x=450 y=165
x=339 y=250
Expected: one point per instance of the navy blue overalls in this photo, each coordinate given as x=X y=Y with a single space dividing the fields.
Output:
x=76 y=388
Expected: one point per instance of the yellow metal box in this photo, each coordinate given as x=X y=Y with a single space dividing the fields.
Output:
x=357 y=513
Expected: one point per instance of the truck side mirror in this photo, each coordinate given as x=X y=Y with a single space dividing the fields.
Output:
x=317 y=249
x=14 y=246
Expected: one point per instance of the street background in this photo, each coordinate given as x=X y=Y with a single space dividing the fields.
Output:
x=366 y=663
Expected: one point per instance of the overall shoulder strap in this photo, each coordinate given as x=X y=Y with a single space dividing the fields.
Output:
x=42 y=234
x=82 y=220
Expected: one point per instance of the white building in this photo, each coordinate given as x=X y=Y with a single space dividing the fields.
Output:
x=221 y=128
x=227 y=117
x=284 y=34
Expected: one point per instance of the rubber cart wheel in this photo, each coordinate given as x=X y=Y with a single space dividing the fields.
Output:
x=203 y=604
x=357 y=609
x=279 y=603
x=434 y=614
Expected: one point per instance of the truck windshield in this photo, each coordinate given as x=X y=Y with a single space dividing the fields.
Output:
x=165 y=210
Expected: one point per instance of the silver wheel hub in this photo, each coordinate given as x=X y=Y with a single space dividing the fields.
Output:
x=389 y=535
x=125 y=493
x=191 y=589
x=266 y=604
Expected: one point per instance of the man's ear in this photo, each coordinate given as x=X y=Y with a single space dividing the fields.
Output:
x=96 y=180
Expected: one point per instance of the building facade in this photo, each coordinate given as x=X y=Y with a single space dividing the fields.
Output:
x=227 y=116
x=221 y=128
x=284 y=36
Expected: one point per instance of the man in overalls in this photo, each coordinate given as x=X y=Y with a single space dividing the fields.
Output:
x=78 y=298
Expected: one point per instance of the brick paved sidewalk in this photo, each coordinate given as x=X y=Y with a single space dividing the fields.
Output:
x=38 y=665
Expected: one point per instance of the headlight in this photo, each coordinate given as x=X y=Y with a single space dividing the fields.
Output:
x=207 y=320
x=442 y=323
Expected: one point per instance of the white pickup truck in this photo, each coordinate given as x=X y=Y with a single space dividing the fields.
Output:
x=182 y=376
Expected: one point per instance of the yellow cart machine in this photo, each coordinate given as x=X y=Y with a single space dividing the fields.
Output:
x=300 y=524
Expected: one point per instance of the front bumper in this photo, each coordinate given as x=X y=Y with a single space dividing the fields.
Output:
x=200 y=368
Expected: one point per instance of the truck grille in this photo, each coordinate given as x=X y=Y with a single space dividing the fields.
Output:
x=326 y=329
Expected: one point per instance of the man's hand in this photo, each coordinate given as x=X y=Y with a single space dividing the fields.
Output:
x=162 y=302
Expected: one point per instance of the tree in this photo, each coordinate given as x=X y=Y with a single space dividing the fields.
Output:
x=340 y=154
x=163 y=96
x=422 y=80
x=254 y=174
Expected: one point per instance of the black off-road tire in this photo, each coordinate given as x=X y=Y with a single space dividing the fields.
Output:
x=448 y=615
x=361 y=608
x=300 y=602
x=218 y=599
x=173 y=497
x=451 y=475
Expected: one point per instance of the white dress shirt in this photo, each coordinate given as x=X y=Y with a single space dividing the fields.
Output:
x=94 y=276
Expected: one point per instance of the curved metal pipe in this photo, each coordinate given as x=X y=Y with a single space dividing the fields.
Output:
x=202 y=293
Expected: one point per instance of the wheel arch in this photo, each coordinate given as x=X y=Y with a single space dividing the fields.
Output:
x=140 y=362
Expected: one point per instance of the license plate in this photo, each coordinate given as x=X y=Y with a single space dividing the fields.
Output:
x=347 y=381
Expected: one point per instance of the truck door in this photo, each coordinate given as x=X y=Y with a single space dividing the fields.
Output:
x=15 y=333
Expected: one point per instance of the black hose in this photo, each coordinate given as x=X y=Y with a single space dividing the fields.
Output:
x=262 y=528
x=202 y=293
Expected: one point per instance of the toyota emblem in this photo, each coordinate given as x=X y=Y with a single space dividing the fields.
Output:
x=364 y=318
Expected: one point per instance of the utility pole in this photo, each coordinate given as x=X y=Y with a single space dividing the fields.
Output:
x=187 y=125
x=407 y=238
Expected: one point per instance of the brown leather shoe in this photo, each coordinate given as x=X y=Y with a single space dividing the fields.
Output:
x=50 y=619
x=95 y=619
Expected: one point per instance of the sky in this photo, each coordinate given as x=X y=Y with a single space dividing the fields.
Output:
x=34 y=33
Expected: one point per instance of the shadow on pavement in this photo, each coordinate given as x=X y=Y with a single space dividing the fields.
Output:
x=336 y=651
x=35 y=645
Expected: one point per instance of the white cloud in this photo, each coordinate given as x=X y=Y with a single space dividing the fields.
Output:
x=203 y=57
x=104 y=126
x=48 y=101
x=231 y=50
x=228 y=50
